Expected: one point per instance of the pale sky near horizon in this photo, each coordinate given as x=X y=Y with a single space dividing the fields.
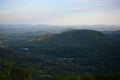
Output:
x=60 y=12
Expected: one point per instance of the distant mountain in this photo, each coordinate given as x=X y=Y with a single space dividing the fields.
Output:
x=113 y=34
x=8 y=28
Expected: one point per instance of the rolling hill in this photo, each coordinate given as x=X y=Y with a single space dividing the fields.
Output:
x=71 y=38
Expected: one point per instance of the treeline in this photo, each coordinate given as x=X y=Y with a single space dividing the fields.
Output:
x=10 y=71
x=87 y=76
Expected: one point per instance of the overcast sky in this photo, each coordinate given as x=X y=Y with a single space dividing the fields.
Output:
x=60 y=12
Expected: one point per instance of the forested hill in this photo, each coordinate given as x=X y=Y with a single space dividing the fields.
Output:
x=72 y=38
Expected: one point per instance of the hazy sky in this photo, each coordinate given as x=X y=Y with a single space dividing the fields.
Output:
x=60 y=12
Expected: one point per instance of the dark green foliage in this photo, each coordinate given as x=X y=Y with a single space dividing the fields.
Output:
x=5 y=69
x=67 y=76
x=87 y=76
x=109 y=76
x=22 y=73
x=8 y=71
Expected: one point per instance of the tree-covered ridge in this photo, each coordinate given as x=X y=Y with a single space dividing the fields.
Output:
x=76 y=38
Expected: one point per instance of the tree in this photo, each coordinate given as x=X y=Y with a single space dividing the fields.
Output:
x=5 y=69
x=87 y=76
x=66 y=76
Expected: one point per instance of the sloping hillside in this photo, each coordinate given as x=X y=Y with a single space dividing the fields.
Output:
x=75 y=38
